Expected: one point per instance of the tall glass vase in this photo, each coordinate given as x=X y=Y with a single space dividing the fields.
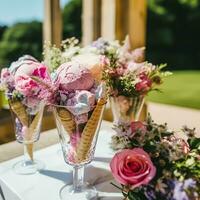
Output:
x=27 y=125
x=126 y=109
x=78 y=142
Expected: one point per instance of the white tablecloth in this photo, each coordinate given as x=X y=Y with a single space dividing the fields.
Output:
x=46 y=184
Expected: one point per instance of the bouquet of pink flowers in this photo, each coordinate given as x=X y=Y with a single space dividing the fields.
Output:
x=152 y=163
x=125 y=72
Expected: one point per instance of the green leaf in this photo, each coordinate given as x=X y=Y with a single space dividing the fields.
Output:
x=194 y=143
x=190 y=162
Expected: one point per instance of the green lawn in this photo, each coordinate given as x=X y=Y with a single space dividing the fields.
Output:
x=181 y=89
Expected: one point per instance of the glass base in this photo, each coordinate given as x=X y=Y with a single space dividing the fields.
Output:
x=86 y=193
x=28 y=167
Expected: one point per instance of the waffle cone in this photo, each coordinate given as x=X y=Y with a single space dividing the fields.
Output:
x=89 y=131
x=34 y=125
x=20 y=111
x=29 y=148
x=66 y=119
x=32 y=128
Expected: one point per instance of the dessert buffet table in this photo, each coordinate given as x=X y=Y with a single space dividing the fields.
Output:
x=47 y=183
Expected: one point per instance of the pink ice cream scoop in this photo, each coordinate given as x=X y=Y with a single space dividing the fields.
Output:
x=23 y=73
x=93 y=62
x=73 y=76
x=81 y=103
x=23 y=81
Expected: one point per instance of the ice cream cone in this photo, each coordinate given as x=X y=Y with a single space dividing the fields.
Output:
x=20 y=111
x=30 y=133
x=89 y=131
x=66 y=119
x=29 y=148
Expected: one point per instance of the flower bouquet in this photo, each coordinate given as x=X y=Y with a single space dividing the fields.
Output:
x=152 y=163
x=25 y=97
x=127 y=76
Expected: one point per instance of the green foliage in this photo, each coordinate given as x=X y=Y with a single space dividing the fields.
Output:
x=173 y=33
x=176 y=161
x=2 y=30
x=20 y=39
x=189 y=167
x=72 y=19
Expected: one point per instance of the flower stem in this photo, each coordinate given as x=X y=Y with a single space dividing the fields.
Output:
x=116 y=186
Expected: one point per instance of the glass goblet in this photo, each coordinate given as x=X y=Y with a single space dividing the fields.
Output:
x=78 y=142
x=126 y=109
x=27 y=125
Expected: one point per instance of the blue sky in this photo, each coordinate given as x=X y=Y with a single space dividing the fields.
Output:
x=12 y=11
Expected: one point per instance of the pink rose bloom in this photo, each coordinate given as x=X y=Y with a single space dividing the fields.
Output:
x=132 y=167
x=181 y=143
x=145 y=84
x=138 y=126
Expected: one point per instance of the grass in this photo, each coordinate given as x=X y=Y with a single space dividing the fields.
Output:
x=181 y=89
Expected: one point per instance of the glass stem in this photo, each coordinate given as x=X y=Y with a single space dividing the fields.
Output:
x=28 y=152
x=78 y=176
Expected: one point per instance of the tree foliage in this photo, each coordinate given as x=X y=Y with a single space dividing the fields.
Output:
x=20 y=39
x=173 y=33
x=2 y=30
x=72 y=19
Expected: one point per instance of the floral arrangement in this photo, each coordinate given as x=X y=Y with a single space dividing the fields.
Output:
x=125 y=71
x=152 y=163
x=54 y=56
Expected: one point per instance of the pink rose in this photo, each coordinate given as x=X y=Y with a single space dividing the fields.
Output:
x=132 y=167
x=145 y=83
x=138 y=126
x=182 y=145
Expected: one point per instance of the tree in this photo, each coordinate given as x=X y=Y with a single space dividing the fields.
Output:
x=2 y=30
x=20 y=39
x=173 y=33
x=72 y=19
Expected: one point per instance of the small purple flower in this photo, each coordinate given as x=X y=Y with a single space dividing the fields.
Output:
x=189 y=183
x=179 y=192
x=100 y=44
x=150 y=193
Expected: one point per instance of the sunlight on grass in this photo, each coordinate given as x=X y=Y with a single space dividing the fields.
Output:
x=181 y=89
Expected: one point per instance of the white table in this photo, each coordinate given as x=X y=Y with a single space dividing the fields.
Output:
x=46 y=184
